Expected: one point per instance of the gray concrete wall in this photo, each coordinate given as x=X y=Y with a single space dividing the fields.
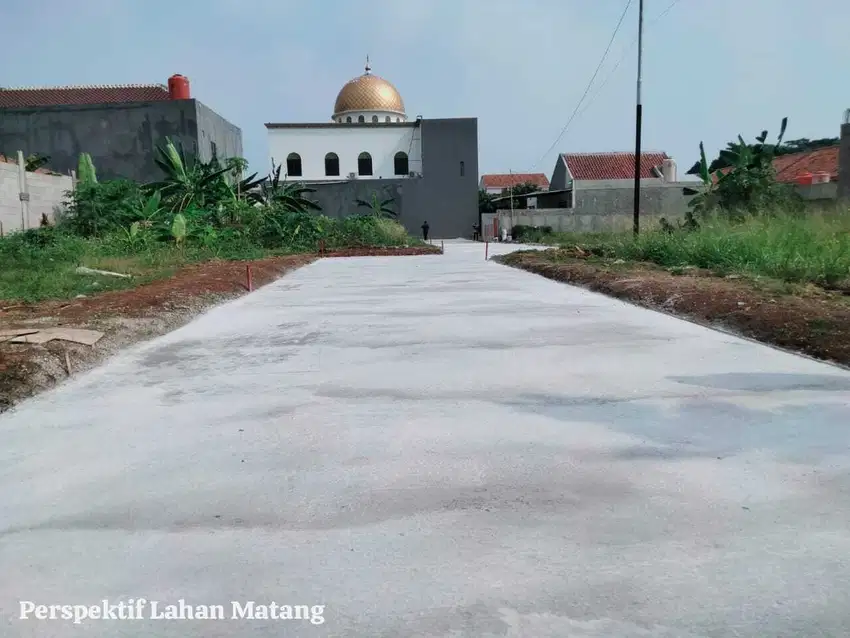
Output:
x=442 y=196
x=213 y=128
x=817 y=192
x=844 y=163
x=46 y=192
x=601 y=210
x=656 y=199
x=121 y=138
x=567 y=221
x=559 y=179
x=339 y=199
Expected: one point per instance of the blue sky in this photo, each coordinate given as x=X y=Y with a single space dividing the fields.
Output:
x=712 y=69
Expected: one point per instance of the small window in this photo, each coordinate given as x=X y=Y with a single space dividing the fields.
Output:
x=348 y=120
x=293 y=165
x=364 y=164
x=332 y=165
x=389 y=119
x=401 y=164
x=374 y=119
x=361 y=119
x=462 y=169
x=213 y=150
x=398 y=119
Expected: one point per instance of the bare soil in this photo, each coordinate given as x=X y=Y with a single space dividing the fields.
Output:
x=803 y=319
x=129 y=316
x=392 y=251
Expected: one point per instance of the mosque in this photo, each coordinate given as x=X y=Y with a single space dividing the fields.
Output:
x=369 y=144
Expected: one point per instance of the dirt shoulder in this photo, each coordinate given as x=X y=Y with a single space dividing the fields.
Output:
x=804 y=319
x=132 y=315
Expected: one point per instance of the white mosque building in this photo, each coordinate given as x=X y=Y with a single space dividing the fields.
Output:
x=369 y=136
x=370 y=146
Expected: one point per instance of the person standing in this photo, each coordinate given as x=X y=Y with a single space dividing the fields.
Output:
x=425 y=229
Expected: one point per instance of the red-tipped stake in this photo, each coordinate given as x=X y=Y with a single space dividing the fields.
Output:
x=249 y=277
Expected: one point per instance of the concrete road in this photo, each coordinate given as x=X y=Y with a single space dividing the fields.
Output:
x=434 y=446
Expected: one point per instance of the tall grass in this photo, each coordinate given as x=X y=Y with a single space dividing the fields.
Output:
x=813 y=247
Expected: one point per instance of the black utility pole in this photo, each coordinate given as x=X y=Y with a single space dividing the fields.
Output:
x=638 y=119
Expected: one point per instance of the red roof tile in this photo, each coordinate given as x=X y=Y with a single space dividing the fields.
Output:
x=822 y=160
x=81 y=95
x=592 y=166
x=789 y=167
x=506 y=180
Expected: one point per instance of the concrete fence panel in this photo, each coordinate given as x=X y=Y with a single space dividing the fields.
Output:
x=26 y=196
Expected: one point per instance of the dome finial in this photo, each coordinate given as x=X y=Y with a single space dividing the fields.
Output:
x=368 y=66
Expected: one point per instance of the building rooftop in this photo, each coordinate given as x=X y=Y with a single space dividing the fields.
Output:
x=821 y=160
x=602 y=166
x=33 y=97
x=789 y=167
x=507 y=180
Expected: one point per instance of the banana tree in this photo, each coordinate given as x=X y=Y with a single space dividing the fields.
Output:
x=750 y=178
x=703 y=198
x=86 y=173
x=290 y=195
x=378 y=207
x=187 y=181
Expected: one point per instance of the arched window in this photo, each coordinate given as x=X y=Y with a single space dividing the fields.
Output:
x=348 y=120
x=361 y=119
x=401 y=164
x=364 y=164
x=374 y=119
x=332 y=165
x=389 y=119
x=293 y=165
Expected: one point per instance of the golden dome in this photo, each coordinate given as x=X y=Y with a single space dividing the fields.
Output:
x=368 y=93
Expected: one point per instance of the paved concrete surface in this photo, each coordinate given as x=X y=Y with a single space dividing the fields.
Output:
x=436 y=446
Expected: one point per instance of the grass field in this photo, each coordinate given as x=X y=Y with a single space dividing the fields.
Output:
x=813 y=248
x=42 y=264
x=31 y=273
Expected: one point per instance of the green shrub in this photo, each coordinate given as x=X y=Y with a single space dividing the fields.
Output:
x=530 y=234
x=97 y=208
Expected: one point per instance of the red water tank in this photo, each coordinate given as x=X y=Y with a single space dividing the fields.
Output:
x=178 y=87
x=804 y=179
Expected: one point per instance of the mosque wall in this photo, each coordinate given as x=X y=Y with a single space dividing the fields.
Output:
x=313 y=142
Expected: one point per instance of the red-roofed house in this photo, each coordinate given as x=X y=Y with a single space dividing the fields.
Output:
x=118 y=125
x=574 y=170
x=815 y=173
x=495 y=183
x=796 y=167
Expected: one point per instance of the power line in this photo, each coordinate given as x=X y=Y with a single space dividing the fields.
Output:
x=622 y=59
x=589 y=84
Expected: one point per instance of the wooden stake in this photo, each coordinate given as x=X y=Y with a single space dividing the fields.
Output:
x=68 y=363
